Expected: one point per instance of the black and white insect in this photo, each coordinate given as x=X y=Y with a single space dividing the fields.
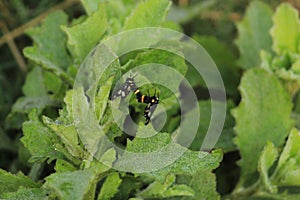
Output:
x=150 y=108
x=125 y=89
x=151 y=101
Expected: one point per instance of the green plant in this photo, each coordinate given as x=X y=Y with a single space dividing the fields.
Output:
x=51 y=137
x=265 y=121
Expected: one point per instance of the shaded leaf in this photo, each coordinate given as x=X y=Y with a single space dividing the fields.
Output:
x=224 y=59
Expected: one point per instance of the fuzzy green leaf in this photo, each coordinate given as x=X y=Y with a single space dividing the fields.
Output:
x=291 y=149
x=150 y=13
x=72 y=185
x=83 y=37
x=26 y=104
x=203 y=183
x=63 y=166
x=288 y=171
x=68 y=136
x=80 y=184
x=254 y=34
x=110 y=186
x=286 y=23
x=263 y=113
x=49 y=45
x=37 y=87
x=188 y=163
x=49 y=41
x=38 y=139
x=102 y=97
x=90 y=6
x=266 y=160
x=158 y=56
x=34 y=84
x=166 y=189
x=11 y=183
x=26 y=194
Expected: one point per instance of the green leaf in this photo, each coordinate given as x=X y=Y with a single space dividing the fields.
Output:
x=150 y=13
x=49 y=40
x=26 y=104
x=296 y=67
x=254 y=34
x=26 y=194
x=188 y=163
x=158 y=56
x=266 y=160
x=80 y=184
x=49 y=45
x=128 y=186
x=102 y=97
x=166 y=189
x=63 y=166
x=263 y=113
x=11 y=183
x=203 y=183
x=54 y=85
x=287 y=172
x=87 y=129
x=110 y=186
x=291 y=149
x=286 y=22
x=83 y=37
x=72 y=185
x=268 y=196
x=90 y=6
x=40 y=83
x=34 y=84
x=39 y=140
x=183 y=15
x=66 y=114
x=68 y=135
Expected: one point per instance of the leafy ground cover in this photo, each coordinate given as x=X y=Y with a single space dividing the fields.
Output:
x=260 y=133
